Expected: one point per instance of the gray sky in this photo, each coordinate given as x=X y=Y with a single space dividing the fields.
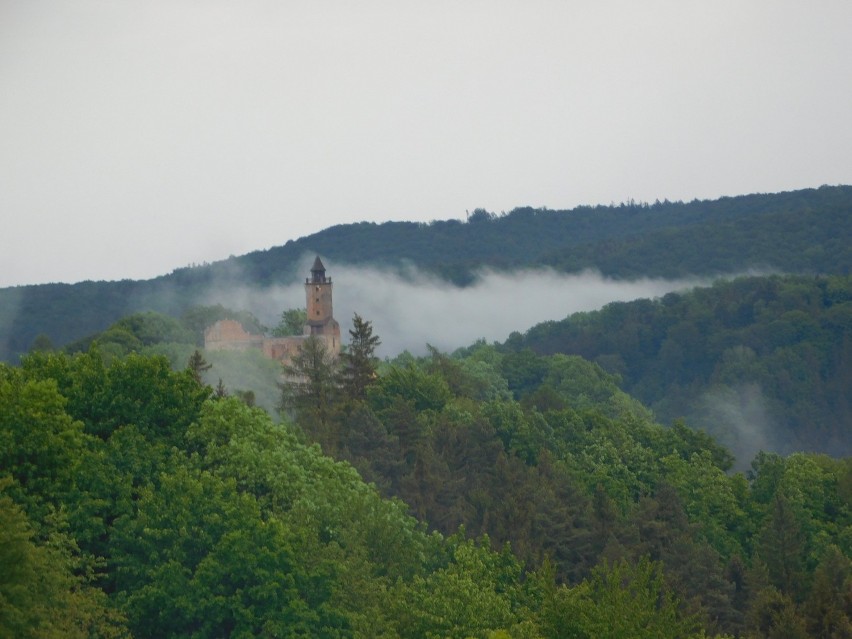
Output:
x=141 y=136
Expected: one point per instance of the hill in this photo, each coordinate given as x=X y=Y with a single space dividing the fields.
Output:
x=135 y=501
x=803 y=231
x=762 y=363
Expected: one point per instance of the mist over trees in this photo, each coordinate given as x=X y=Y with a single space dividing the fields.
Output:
x=799 y=231
x=668 y=467
x=759 y=362
x=510 y=494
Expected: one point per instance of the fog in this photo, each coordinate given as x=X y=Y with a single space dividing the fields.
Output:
x=739 y=419
x=413 y=309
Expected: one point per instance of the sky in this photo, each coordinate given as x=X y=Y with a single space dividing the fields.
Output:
x=137 y=137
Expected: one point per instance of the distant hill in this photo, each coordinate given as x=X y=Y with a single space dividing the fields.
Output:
x=805 y=231
x=759 y=363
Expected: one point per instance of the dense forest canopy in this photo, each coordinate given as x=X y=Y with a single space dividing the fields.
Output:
x=800 y=231
x=138 y=501
x=672 y=467
x=760 y=362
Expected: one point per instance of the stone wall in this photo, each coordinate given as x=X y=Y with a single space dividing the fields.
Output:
x=229 y=335
x=282 y=348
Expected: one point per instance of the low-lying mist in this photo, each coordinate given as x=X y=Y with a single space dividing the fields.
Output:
x=412 y=310
x=739 y=418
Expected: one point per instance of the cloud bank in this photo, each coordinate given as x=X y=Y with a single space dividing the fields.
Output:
x=415 y=309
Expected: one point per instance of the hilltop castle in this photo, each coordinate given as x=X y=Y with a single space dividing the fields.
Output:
x=230 y=334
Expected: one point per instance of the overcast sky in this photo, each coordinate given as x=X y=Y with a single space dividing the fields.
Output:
x=141 y=136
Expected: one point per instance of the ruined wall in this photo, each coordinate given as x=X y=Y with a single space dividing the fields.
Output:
x=282 y=348
x=229 y=335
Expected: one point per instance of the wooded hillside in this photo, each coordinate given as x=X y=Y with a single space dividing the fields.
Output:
x=801 y=231
x=136 y=500
x=759 y=362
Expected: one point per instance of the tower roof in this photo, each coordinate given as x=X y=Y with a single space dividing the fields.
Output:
x=318 y=273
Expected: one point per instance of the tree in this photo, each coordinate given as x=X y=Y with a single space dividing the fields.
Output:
x=359 y=360
x=828 y=610
x=773 y=615
x=40 y=595
x=292 y=322
x=42 y=342
x=781 y=546
x=41 y=446
x=310 y=386
x=475 y=593
x=618 y=601
x=197 y=365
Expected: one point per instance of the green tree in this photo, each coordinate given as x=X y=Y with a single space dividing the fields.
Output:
x=773 y=615
x=781 y=546
x=424 y=391
x=619 y=601
x=135 y=389
x=40 y=595
x=828 y=610
x=359 y=362
x=199 y=560
x=477 y=592
x=41 y=446
x=309 y=389
x=197 y=365
x=42 y=342
x=146 y=392
x=292 y=322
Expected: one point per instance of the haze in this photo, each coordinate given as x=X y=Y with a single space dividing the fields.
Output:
x=138 y=137
x=410 y=312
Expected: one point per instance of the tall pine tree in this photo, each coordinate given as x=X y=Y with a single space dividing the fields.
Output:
x=359 y=361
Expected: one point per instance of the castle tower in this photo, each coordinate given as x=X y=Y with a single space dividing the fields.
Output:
x=318 y=303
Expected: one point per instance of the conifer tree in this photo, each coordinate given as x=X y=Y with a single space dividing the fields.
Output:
x=197 y=365
x=359 y=360
x=310 y=387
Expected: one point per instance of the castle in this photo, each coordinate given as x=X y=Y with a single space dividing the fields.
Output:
x=230 y=334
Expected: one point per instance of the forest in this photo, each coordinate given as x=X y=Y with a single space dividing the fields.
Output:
x=799 y=232
x=759 y=362
x=673 y=467
x=491 y=492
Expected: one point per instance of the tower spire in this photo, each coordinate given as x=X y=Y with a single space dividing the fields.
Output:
x=318 y=271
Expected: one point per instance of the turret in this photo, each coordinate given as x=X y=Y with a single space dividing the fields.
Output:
x=318 y=272
x=318 y=302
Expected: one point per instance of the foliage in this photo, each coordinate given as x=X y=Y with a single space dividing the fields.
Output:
x=758 y=362
x=310 y=385
x=800 y=231
x=359 y=363
x=292 y=322
x=619 y=601
x=511 y=495
x=197 y=365
x=40 y=594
